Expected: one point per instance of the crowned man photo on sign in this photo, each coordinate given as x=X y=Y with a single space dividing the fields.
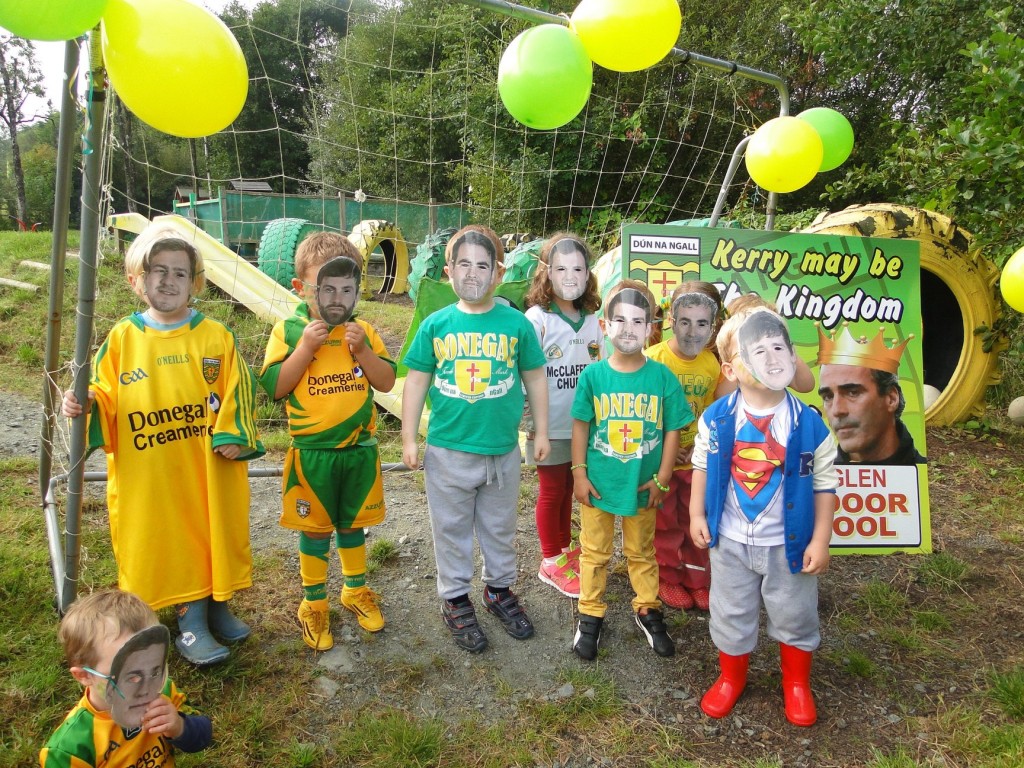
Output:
x=862 y=398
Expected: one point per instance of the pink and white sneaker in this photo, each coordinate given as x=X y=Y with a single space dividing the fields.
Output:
x=574 y=556
x=561 y=575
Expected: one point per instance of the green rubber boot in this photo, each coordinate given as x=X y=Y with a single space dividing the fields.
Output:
x=195 y=643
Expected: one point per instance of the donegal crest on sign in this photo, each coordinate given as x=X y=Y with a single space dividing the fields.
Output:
x=211 y=369
x=472 y=376
x=625 y=436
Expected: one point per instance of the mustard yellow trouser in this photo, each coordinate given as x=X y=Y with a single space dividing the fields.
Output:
x=597 y=534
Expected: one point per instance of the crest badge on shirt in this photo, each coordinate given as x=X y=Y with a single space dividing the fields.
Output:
x=625 y=436
x=302 y=508
x=472 y=376
x=211 y=369
x=553 y=352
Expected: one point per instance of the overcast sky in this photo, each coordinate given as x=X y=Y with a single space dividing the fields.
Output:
x=51 y=61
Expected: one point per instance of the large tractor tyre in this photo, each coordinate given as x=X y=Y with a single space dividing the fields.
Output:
x=958 y=299
x=522 y=259
x=429 y=259
x=376 y=233
x=275 y=255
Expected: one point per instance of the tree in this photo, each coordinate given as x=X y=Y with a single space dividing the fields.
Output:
x=387 y=119
x=20 y=78
x=409 y=110
x=900 y=73
x=284 y=43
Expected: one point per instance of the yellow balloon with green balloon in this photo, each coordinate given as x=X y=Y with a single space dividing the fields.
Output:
x=784 y=154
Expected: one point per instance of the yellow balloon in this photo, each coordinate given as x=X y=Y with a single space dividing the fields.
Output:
x=627 y=35
x=175 y=65
x=784 y=154
x=1011 y=282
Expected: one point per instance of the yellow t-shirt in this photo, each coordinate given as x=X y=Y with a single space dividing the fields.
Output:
x=698 y=378
x=332 y=404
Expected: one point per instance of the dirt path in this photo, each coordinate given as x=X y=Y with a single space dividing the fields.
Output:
x=413 y=664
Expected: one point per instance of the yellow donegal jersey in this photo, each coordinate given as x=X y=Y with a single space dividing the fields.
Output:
x=698 y=378
x=332 y=405
x=89 y=738
x=179 y=513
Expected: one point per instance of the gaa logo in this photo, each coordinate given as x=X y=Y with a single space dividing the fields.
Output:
x=130 y=377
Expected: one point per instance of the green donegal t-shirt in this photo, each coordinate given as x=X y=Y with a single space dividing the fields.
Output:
x=628 y=414
x=476 y=393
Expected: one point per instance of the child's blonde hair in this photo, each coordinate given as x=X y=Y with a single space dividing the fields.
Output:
x=749 y=301
x=319 y=248
x=93 y=617
x=541 y=293
x=147 y=245
x=476 y=234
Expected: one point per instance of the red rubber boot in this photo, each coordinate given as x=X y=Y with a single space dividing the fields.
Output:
x=796 y=685
x=722 y=696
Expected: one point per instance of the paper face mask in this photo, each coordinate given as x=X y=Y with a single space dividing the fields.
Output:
x=473 y=267
x=693 y=319
x=628 y=321
x=568 y=270
x=137 y=675
x=766 y=350
x=337 y=290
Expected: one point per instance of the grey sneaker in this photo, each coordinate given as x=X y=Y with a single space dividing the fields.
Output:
x=507 y=608
x=461 y=620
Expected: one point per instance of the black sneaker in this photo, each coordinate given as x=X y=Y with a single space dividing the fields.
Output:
x=653 y=625
x=505 y=606
x=461 y=620
x=588 y=637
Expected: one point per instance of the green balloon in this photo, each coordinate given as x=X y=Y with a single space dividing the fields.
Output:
x=836 y=135
x=545 y=76
x=50 y=19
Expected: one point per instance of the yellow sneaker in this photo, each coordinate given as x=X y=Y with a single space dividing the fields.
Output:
x=362 y=601
x=316 y=626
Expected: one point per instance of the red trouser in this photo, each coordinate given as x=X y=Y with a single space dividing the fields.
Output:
x=554 y=508
x=679 y=561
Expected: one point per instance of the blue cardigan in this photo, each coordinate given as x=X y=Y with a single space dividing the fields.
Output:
x=807 y=433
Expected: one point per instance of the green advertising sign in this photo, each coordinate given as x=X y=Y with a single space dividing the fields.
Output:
x=853 y=309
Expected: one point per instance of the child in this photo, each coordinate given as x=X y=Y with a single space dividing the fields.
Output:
x=763 y=495
x=627 y=415
x=327 y=363
x=803 y=379
x=94 y=629
x=472 y=356
x=562 y=303
x=173 y=407
x=684 y=572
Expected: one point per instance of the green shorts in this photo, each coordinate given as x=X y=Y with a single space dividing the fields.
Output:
x=338 y=489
